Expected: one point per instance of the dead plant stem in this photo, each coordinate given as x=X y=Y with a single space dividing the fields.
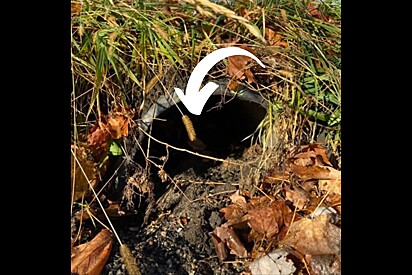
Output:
x=190 y=152
x=99 y=202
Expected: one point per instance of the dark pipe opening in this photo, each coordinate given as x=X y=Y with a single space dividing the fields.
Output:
x=225 y=127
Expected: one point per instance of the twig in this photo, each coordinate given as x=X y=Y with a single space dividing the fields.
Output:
x=160 y=167
x=207 y=182
x=191 y=152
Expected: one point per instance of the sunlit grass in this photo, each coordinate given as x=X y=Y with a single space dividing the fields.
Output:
x=122 y=49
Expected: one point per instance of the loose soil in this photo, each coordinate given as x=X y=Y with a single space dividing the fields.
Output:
x=177 y=236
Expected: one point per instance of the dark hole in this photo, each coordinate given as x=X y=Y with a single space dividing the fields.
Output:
x=225 y=126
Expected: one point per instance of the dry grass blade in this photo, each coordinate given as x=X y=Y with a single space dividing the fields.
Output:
x=129 y=260
x=230 y=14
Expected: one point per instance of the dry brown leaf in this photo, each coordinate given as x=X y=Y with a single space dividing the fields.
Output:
x=275 y=39
x=76 y=8
x=226 y=234
x=78 y=178
x=98 y=138
x=118 y=122
x=236 y=67
x=90 y=258
x=114 y=127
x=309 y=186
x=314 y=236
x=315 y=172
x=297 y=196
x=316 y=12
x=270 y=36
x=220 y=247
x=330 y=186
x=238 y=199
x=71 y=247
x=276 y=177
x=266 y=219
x=305 y=159
x=325 y=264
x=237 y=209
x=118 y=126
x=319 y=153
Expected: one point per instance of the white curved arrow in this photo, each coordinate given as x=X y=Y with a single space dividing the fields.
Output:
x=195 y=99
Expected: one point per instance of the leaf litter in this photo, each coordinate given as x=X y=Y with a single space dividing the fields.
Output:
x=275 y=227
x=275 y=230
x=269 y=230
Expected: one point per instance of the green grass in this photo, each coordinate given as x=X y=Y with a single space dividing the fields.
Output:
x=120 y=51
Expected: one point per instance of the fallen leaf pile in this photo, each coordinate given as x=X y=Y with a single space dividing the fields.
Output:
x=262 y=217
x=311 y=179
x=297 y=222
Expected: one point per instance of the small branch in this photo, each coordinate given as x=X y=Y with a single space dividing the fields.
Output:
x=191 y=152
